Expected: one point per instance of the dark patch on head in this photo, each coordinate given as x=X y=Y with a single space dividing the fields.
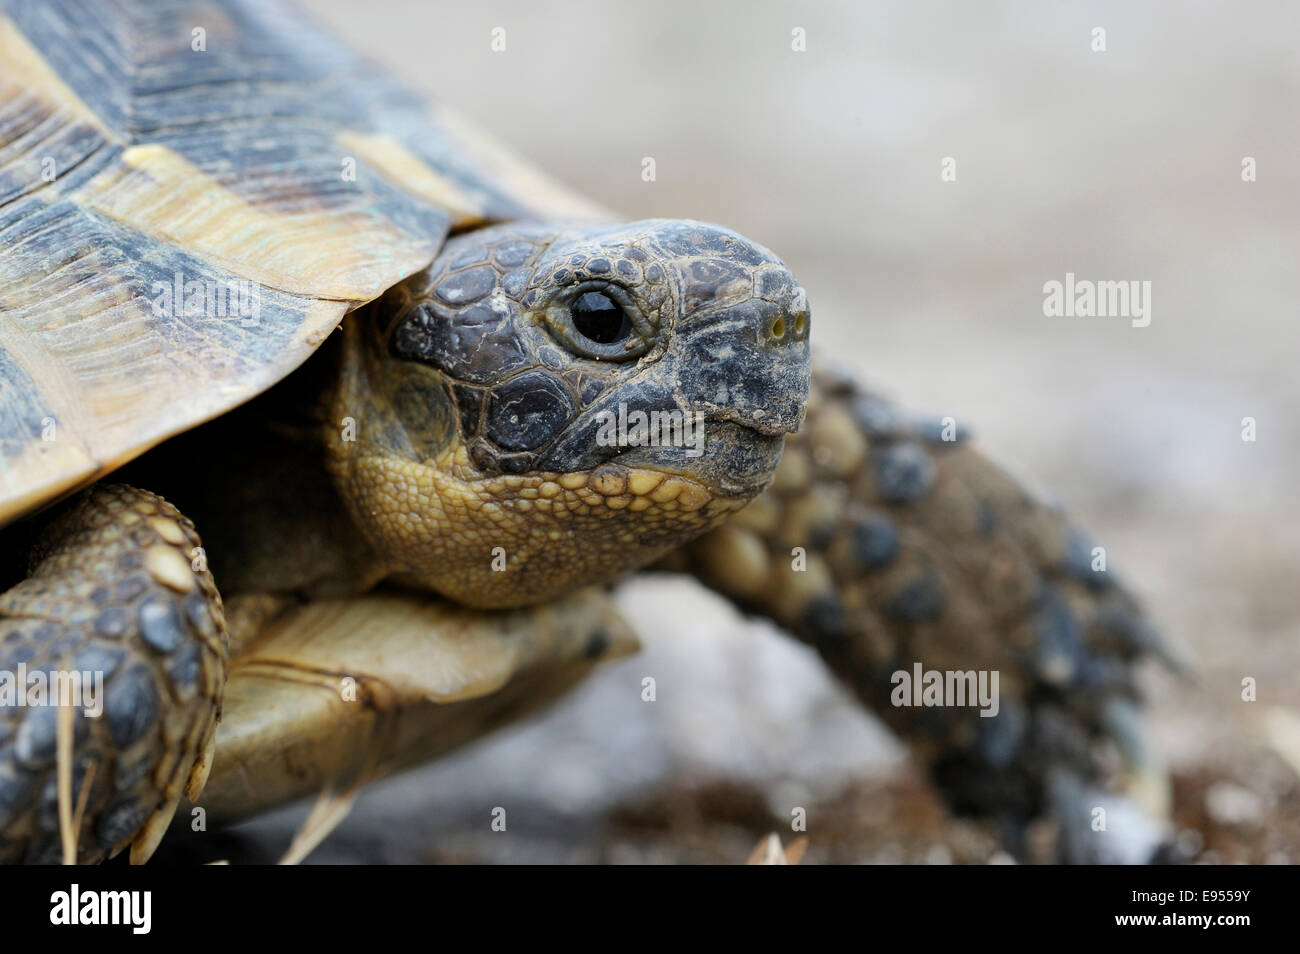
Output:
x=592 y=388
x=469 y=404
x=477 y=344
x=684 y=239
x=775 y=284
x=710 y=279
x=463 y=288
x=528 y=411
x=513 y=254
x=471 y=255
x=482 y=456
x=515 y=463
x=421 y=399
x=553 y=358
x=514 y=284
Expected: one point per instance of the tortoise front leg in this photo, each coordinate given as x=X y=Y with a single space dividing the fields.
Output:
x=119 y=594
x=888 y=544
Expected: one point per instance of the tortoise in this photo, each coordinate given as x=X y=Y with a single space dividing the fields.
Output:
x=327 y=424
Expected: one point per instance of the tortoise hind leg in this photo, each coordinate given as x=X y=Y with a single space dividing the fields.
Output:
x=114 y=595
x=887 y=544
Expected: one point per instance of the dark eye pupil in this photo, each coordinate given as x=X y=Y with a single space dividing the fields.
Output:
x=599 y=317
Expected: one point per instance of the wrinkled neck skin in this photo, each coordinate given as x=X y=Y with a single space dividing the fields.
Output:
x=434 y=521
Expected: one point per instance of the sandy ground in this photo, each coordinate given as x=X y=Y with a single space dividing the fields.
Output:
x=1121 y=165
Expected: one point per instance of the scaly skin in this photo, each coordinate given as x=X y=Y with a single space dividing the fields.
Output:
x=918 y=550
x=113 y=590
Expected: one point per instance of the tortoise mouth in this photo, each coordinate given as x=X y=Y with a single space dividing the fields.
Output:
x=733 y=460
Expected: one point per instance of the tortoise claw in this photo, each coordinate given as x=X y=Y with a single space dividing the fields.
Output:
x=147 y=839
x=202 y=767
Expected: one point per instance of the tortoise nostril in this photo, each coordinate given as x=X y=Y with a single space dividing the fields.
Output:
x=778 y=328
x=800 y=323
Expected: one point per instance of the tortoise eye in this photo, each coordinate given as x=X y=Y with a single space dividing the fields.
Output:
x=599 y=318
x=599 y=321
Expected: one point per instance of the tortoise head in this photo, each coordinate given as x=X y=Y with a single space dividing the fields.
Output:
x=550 y=406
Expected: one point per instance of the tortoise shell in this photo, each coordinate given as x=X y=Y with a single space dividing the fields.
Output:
x=192 y=196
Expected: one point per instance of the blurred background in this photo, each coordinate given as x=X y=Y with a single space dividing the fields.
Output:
x=1122 y=164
